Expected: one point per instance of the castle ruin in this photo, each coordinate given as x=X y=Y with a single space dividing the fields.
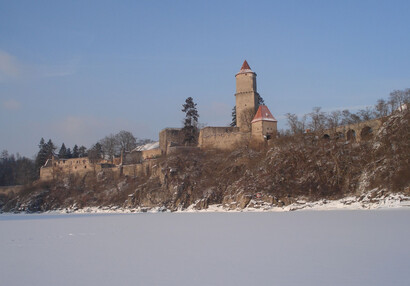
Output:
x=256 y=126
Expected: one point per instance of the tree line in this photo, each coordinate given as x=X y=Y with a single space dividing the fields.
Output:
x=17 y=170
x=318 y=120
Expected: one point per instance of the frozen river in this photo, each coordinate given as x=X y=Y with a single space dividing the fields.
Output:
x=290 y=248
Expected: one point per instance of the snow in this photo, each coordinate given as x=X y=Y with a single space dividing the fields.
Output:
x=149 y=146
x=372 y=200
x=255 y=248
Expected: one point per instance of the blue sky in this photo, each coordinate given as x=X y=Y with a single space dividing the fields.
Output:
x=75 y=71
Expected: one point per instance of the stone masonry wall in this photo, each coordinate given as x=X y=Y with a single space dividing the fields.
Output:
x=224 y=138
x=356 y=132
x=151 y=154
x=168 y=135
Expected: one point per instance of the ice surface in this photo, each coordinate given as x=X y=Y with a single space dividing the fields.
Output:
x=266 y=248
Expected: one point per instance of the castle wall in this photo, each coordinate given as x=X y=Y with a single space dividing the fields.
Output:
x=146 y=168
x=132 y=158
x=177 y=149
x=151 y=154
x=46 y=173
x=224 y=138
x=55 y=167
x=356 y=132
x=168 y=136
x=51 y=172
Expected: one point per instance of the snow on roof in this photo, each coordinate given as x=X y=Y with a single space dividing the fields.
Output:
x=149 y=146
x=263 y=114
x=245 y=68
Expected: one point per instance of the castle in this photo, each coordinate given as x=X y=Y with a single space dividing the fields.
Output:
x=255 y=125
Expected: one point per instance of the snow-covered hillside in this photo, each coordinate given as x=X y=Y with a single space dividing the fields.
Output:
x=290 y=248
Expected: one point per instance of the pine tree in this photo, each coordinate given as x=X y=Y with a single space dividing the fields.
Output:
x=233 y=123
x=75 y=151
x=190 y=129
x=82 y=152
x=68 y=153
x=95 y=153
x=41 y=157
x=50 y=147
x=46 y=152
x=260 y=100
x=63 y=151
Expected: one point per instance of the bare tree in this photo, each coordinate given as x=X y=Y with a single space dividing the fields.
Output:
x=125 y=140
x=334 y=119
x=366 y=114
x=317 y=119
x=399 y=98
x=407 y=96
x=346 y=117
x=109 y=146
x=296 y=126
x=355 y=118
x=381 y=108
x=394 y=100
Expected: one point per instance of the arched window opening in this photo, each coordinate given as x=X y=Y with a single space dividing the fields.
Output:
x=366 y=133
x=351 y=135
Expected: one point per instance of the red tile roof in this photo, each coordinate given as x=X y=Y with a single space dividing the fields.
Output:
x=245 y=69
x=245 y=66
x=263 y=114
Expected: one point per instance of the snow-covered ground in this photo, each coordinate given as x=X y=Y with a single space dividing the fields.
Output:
x=254 y=248
x=372 y=200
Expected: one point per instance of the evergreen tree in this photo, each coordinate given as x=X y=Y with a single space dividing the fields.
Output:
x=46 y=152
x=260 y=100
x=76 y=153
x=50 y=147
x=233 y=123
x=42 y=154
x=82 y=152
x=68 y=154
x=95 y=153
x=63 y=152
x=190 y=129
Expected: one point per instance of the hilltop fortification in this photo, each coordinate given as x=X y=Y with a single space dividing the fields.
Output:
x=256 y=127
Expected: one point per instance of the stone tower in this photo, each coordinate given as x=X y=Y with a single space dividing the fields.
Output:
x=264 y=125
x=246 y=97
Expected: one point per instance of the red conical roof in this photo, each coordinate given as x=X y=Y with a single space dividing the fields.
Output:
x=263 y=114
x=245 y=69
x=245 y=66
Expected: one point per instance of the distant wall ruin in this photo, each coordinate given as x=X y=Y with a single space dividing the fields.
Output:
x=355 y=132
x=55 y=166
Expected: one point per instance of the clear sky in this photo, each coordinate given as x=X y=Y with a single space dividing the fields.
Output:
x=75 y=71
